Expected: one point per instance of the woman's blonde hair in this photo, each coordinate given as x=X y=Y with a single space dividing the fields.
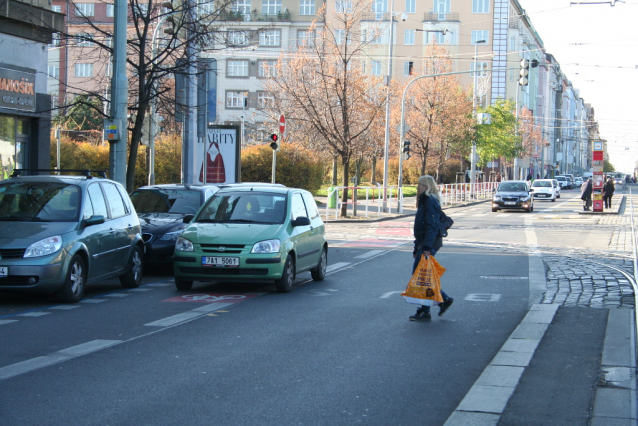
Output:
x=431 y=190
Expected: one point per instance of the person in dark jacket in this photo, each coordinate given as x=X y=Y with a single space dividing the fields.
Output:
x=585 y=194
x=427 y=239
x=608 y=192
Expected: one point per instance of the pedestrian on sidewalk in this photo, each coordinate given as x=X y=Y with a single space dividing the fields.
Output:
x=427 y=239
x=608 y=192
x=585 y=194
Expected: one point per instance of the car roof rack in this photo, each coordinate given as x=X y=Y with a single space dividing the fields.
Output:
x=83 y=172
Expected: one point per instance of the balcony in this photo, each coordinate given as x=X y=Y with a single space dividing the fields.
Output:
x=440 y=17
x=254 y=16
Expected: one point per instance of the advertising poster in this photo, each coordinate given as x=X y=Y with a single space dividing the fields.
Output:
x=219 y=159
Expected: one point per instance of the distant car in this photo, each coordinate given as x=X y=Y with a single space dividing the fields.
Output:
x=59 y=233
x=557 y=187
x=253 y=233
x=618 y=181
x=564 y=182
x=544 y=189
x=161 y=209
x=578 y=181
x=513 y=194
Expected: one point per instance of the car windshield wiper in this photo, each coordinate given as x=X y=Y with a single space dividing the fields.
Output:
x=207 y=221
x=13 y=218
x=242 y=220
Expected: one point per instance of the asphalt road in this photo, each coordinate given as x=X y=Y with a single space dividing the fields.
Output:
x=336 y=352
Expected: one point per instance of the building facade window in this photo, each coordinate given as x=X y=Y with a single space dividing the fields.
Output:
x=307 y=7
x=439 y=38
x=408 y=37
x=84 y=39
x=85 y=9
x=408 y=68
x=237 y=38
x=343 y=6
x=480 y=6
x=53 y=71
x=241 y=6
x=410 y=6
x=237 y=68
x=55 y=40
x=478 y=35
x=376 y=68
x=235 y=99
x=84 y=70
x=267 y=68
x=442 y=8
x=305 y=38
x=271 y=7
x=340 y=37
x=270 y=38
x=480 y=66
x=265 y=100
x=56 y=8
x=110 y=10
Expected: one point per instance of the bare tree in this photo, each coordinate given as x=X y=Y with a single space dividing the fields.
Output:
x=325 y=91
x=148 y=66
x=438 y=110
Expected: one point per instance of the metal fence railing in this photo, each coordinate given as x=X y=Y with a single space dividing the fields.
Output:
x=368 y=200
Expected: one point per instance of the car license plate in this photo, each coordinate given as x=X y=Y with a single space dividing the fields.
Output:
x=4 y=271
x=220 y=261
x=510 y=203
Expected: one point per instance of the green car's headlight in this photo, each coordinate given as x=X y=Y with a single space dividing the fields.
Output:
x=44 y=247
x=268 y=246
x=182 y=244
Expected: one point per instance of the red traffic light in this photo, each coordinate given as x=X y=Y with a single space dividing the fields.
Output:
x=274 y=137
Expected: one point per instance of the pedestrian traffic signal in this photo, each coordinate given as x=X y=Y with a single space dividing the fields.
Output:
x=275 y=141
x=406 y=149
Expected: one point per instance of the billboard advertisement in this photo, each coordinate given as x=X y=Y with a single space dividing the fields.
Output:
x=219 y=158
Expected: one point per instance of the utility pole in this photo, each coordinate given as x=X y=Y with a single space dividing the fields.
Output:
x=473 y=155
x=119 y=95
x=190 y=89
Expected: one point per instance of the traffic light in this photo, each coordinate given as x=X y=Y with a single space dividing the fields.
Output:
x=176 y=17
x=275 y=141
x=524 y=72
x=406 y=149
x=525 y=64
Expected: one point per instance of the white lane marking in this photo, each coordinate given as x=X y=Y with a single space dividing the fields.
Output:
x=188 y=315
x=159 y=285
x=369 y=254
x=92 y=300
x=483 y=297
x=33 y=314
x=337 y=265
x=502 y=277
x=117 y=295
x=140 y=289
x=3 y=322
x=64 y=307
x=63 y=355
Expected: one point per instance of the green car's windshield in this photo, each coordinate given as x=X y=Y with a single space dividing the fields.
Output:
x=244 y=207
x=159 y=200
x=39 y=201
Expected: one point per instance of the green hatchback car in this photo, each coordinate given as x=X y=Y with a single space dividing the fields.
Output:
x=253 y=233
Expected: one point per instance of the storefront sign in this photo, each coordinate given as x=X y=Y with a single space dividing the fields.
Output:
x=17 y=90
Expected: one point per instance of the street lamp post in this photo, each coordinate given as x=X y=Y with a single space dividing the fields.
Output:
x=151 y=125
x=473 y=155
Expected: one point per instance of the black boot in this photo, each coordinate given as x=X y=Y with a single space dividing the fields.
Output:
x=421 y=315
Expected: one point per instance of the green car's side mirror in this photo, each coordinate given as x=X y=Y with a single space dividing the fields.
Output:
x=94 y=220
x=301 y=221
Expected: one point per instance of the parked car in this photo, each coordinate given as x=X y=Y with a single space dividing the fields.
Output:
x=60 y=233
x=564 y=182
x=544 y=189
x=557 y=187
x=513 y=194
x=247 y=233
x=161 y=209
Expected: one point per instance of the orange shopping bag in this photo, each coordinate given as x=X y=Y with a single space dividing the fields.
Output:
x=424 y=287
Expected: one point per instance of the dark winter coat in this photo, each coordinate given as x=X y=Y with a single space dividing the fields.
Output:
x=586 y=190
x=427 y=223
x=609 y=188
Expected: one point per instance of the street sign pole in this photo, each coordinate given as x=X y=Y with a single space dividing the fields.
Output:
x=282 y=129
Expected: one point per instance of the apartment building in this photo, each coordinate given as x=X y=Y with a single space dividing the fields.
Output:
x=26 y=29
